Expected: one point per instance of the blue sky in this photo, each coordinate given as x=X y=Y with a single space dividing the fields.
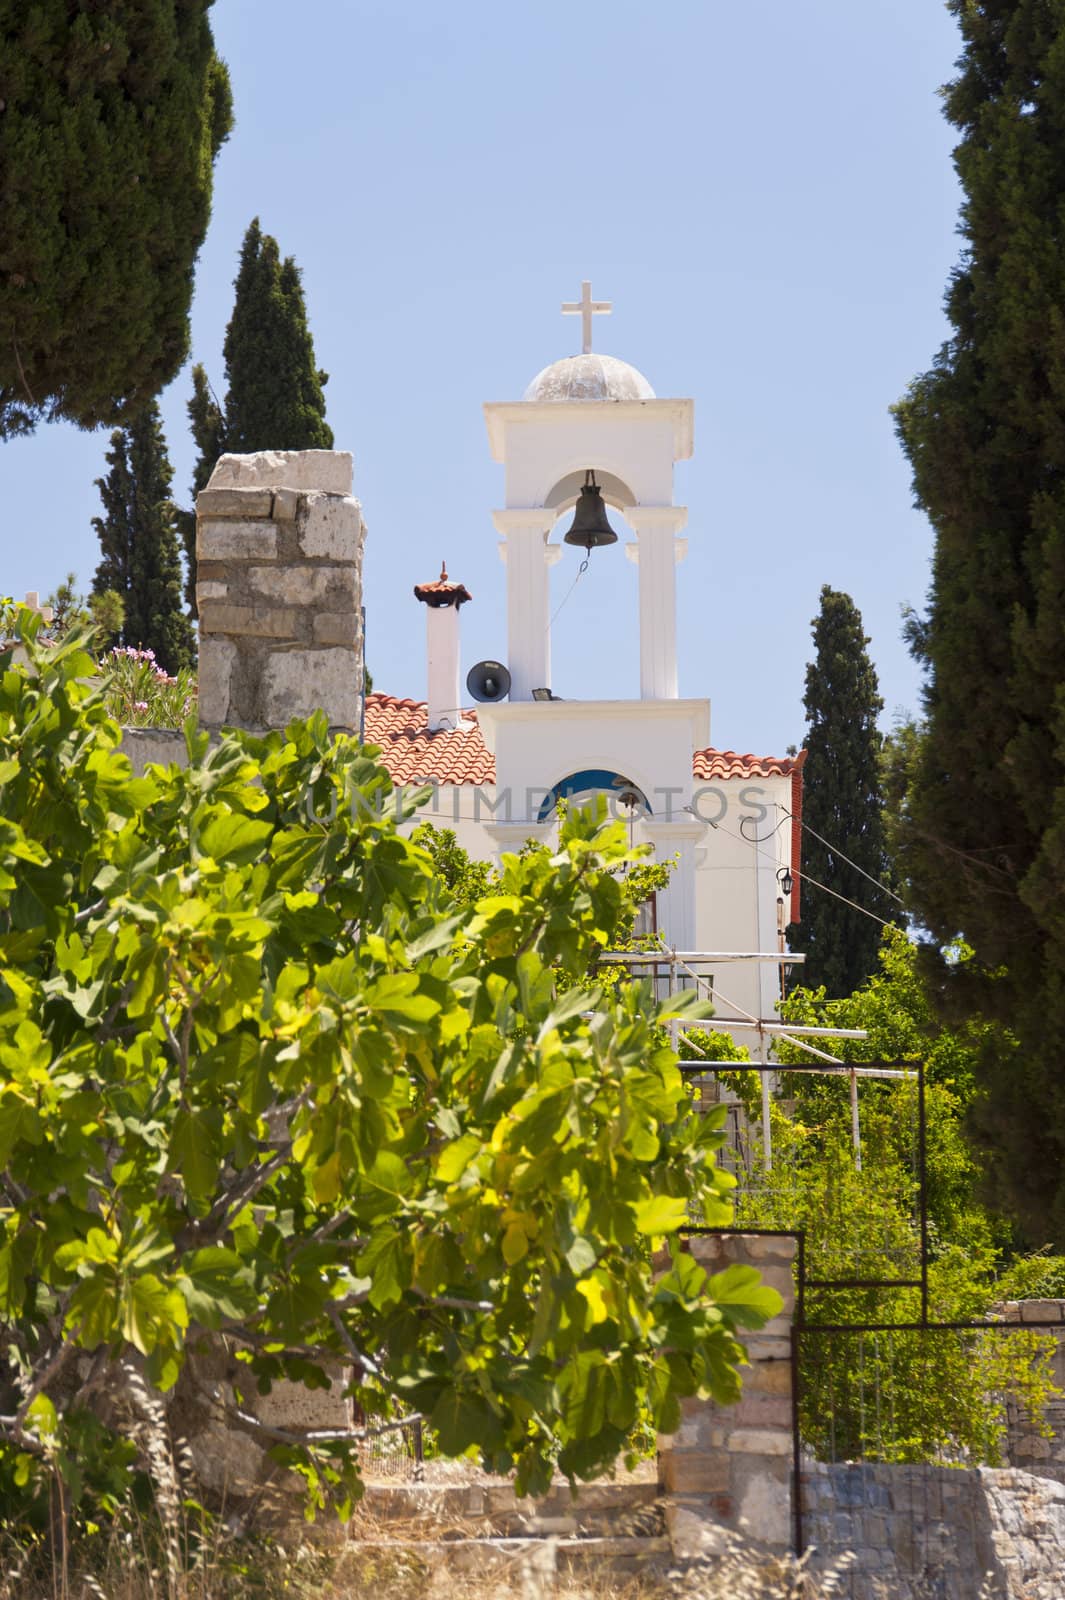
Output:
x=765 y=192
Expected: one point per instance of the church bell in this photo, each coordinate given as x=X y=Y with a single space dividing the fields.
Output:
x=590 y=527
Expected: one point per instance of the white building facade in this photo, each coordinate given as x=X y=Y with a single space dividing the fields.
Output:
x=729 y=822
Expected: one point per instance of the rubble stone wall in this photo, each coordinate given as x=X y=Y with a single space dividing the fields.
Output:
x=279 y=540
x=955 y=1533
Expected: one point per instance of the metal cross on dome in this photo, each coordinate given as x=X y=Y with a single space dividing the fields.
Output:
x=586 y=308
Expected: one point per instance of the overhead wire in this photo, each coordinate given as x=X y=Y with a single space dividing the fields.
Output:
x=789 y=816
x=805 y=876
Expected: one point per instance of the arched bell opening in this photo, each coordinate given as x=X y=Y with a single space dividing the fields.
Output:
x=566 y=492
x=624 y=798
x=594 y=606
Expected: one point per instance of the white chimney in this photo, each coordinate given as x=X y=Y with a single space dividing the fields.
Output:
x=442 y=600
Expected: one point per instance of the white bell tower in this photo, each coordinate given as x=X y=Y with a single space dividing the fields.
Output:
x=590 y=413
x=593 y=413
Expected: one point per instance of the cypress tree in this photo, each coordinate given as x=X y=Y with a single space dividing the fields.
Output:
x=274 y=398
x=984 y=431
x=139 y=542
x=843 y=804
x=112 y=116
x=208 y=425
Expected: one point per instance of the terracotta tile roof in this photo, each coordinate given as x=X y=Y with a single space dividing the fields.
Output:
x=458 y=755
x=710 y=764
x=410 y=751
x=442 y=592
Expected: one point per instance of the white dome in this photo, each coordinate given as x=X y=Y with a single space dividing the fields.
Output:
x=589 y=377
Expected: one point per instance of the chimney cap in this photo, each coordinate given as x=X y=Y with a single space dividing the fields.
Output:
x=442 y=592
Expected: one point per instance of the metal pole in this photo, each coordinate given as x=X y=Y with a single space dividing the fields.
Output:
x=922 y=1154
x=788 y=1028
x=796 y=1374
x=767 y=1126
x=831 y=1069
x=856 y=1133
x=796 y=1444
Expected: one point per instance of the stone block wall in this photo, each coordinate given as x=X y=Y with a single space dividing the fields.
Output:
x=279 y=540
x=728 y=1469
x=953 y=1533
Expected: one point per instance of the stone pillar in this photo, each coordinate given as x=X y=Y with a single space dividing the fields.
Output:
x=279 y=543
x=656 y=554
x=729 y=1467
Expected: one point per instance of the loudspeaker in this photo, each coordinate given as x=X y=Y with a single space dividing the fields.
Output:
x=488 y=681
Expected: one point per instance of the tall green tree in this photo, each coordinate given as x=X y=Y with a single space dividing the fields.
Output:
x=208 y=425
x=112 y=118
x=984 y=431
x=843 y=845
x=274 y=398
x=139 y=543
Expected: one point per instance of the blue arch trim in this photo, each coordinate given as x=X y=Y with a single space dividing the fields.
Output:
x=595 y=779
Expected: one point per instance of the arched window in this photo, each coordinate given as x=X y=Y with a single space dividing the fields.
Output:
x=592 y=781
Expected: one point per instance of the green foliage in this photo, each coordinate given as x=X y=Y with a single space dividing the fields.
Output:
x=139 y=543
x=899 y=755
x=467 y=880
x=900 y=1396
x=274 y=398
x=642 y=879
x=267 y=1076
x=984 y=431
x=902 y=1025
x=105 y=613
x=112 y=118
x=904 y=1395
x=1035 y=1277
x=208 y=425
x=842 y=803
x=139 y=694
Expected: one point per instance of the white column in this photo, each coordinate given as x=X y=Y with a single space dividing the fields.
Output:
x=442 y=653
x=676 y=903
x=527 y=556
x=657 y=553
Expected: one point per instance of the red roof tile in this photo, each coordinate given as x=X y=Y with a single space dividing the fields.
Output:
x=410 y=751
x=708 y=764
x=442 y=592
